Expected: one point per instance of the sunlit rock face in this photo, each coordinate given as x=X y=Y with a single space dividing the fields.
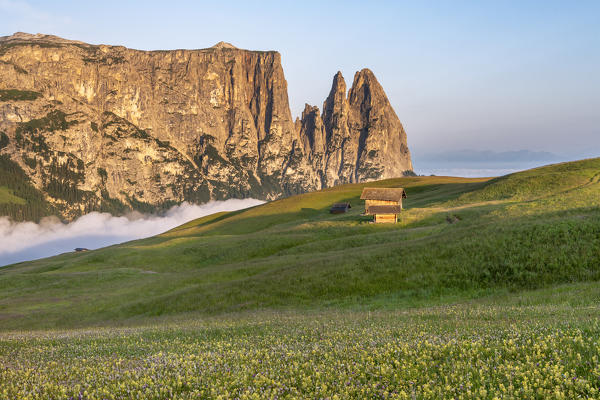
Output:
x=359 y=137
x=106 y=127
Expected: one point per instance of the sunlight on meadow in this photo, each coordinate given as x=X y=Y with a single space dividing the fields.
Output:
x=446 y=353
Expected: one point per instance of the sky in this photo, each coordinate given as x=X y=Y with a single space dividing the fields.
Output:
x=486 y=75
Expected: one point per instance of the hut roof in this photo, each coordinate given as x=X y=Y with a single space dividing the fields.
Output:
x=388 y=194
x=341 y=205
x=372 y=210
x=339 y=208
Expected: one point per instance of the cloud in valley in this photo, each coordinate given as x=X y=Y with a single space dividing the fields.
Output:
x=27 y=240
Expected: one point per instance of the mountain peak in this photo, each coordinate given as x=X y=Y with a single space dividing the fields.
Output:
x=38 y=37
x=211 y=123
x=365 y=72
x=223 y=45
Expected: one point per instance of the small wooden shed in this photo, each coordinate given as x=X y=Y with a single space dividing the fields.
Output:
x=383 y=203
x=340 y=208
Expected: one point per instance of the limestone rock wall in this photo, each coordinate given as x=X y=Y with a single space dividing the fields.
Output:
x=359 y=138
x=94 y=125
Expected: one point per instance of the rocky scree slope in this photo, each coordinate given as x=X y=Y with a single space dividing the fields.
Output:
x=98 y=127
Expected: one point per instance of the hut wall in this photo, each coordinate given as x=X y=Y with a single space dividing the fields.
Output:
x=385 y=218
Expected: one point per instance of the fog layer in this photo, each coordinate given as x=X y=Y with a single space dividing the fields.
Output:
x=21 y=241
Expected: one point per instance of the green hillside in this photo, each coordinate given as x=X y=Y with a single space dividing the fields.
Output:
x=458 y=239
x=7 y=196
x=19 y=199
x=486 y=289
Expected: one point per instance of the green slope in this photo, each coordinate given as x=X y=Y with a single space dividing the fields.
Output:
x=527 y=230
x=19 y=199
x=7 y=196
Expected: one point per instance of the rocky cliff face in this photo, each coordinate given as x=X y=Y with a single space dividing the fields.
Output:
x=106 y=127
x=359 y=138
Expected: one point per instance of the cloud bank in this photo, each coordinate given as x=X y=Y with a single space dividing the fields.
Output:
x=21 y=241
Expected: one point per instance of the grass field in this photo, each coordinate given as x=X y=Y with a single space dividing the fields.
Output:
x=476 y=350
x=285 y=300
x=7 y=196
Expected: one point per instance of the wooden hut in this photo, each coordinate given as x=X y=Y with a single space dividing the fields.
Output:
x=340 y=208
x=383 y=203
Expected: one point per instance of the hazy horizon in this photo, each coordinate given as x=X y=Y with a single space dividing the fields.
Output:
x=484 y=76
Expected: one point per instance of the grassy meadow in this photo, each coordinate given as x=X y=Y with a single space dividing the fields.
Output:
x=486 y=288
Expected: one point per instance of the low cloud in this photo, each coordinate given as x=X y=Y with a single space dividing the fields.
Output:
x=20 y=241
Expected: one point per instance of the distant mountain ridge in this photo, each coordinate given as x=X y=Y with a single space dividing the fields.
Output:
x=489 y=156
x=97 y=127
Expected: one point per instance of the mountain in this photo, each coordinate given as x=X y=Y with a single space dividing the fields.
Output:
x=489 y=156
x=96 y=127
x=359 y=137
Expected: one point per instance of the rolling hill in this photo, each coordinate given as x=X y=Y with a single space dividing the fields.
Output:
x=458 y=239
